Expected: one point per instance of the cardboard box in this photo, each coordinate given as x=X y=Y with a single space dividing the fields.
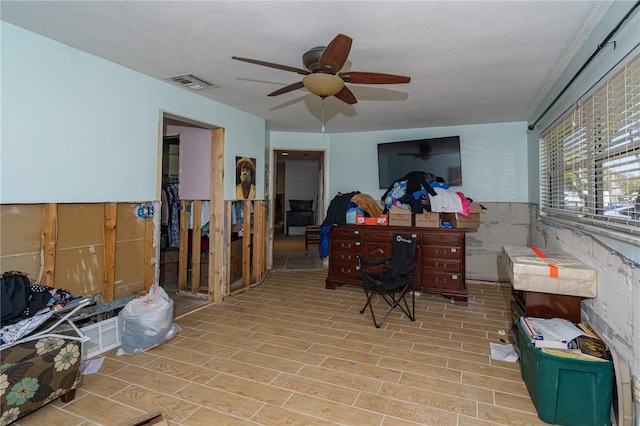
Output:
x=400 y=217
x=459 y=221
x=427 y=220
x=382 y=220
x=549 y=271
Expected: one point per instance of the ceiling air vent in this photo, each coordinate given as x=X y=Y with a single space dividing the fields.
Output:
x=192 y=82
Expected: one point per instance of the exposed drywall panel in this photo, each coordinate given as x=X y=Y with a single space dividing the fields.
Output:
x=80 y=269
x=614 y=311
x=130 y=251
x=79 y=225
x=79 y=256
x=128 y=225
x=501 y=224
x=129 y=268
x=20 y=227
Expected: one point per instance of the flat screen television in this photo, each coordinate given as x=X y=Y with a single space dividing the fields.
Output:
x=440 y=156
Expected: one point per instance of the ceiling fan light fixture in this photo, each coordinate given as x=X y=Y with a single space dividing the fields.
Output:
x=322 y=84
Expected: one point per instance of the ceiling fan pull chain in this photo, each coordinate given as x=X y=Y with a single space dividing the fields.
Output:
x=322 y=128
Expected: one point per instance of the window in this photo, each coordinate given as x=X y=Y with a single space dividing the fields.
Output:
x=590 y=157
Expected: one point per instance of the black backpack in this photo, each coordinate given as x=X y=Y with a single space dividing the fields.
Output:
x=14 y=296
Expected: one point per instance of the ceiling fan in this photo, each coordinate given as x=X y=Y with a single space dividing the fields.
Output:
x=322 y=76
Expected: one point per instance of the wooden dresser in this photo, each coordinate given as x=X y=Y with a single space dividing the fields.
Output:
x=440 y=256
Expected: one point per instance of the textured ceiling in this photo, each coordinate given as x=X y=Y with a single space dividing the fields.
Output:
x=469 y=61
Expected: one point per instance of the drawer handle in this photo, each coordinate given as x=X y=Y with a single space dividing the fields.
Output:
x=345 y=257
x=441 y=265
x=345 y=271
x=440 y=280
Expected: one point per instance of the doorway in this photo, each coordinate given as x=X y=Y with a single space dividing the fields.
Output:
x=192 y=166
x=298 y=196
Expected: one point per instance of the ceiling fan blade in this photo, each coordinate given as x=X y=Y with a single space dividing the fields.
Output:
x=373 y=78
x=289 y=88
x=335 y=54
x=272 y=65
x=345 y=95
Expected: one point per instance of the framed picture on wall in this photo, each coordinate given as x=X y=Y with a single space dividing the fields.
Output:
x=245 y=178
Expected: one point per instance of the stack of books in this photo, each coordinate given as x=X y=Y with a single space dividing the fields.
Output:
x=561 y=337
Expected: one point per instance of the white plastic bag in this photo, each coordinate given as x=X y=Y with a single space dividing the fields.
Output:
x=146 y=322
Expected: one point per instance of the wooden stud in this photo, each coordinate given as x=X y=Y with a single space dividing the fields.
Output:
x=48 y=241
x=183 y=256
x=227 y=251
x=246 y=244
x=110 y=223
x=258 y=241
x=263 y=242
x=196 y=245
x=216 y=222
x=149 y=254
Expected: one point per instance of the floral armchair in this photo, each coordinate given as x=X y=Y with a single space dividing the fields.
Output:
x=39 y=369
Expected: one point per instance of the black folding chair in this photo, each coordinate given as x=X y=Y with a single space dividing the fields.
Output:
x=390 y=277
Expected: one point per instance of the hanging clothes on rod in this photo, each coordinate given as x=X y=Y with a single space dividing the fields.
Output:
x=171 y=214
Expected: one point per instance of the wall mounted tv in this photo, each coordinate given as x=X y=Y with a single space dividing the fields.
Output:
x=440 y=156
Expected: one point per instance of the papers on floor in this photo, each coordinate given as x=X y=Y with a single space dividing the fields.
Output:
x=91 y=366
x=503 y=352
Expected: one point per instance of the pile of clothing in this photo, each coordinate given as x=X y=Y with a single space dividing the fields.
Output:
x=337 y=214
x=26 y=305
x=424 y=192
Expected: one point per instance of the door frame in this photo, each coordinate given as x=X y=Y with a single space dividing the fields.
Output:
x=216 y=271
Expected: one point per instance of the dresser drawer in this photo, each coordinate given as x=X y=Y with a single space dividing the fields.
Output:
x=340 y=233
x=442 y=280
x=344 y=273
x=441 y=252
x=449 y=265
x=347 y=245
x=339 y=256
x=442 y=239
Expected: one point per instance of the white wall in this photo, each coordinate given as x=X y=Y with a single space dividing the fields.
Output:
x=195 y=162
x=493 y=156
x=301 y=182
x=77 y=128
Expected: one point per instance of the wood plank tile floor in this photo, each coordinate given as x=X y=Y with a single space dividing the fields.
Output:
x=290 y=352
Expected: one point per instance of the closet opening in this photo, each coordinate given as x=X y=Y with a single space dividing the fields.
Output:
x=191 y=167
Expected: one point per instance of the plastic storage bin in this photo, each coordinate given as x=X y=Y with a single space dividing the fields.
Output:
x=566 y=391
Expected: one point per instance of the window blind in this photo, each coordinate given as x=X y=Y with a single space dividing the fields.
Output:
x=590 y=157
